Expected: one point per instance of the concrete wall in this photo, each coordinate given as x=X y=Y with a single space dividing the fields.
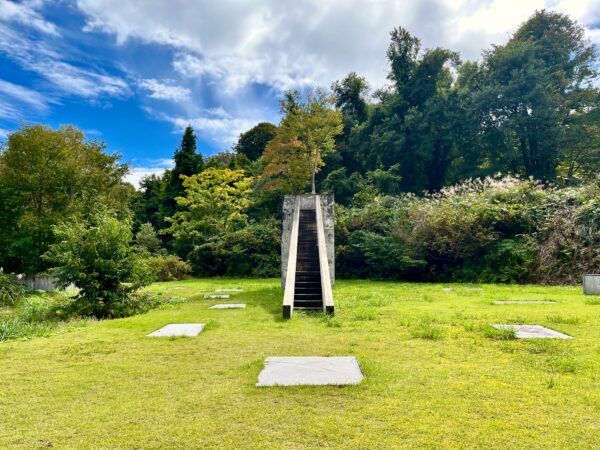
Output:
x=42 y=282
x=308 y=202
x=591 y=284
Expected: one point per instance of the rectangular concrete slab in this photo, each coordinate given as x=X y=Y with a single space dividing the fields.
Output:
x=230 y=290
x=216 y=296
x=228 y=306
x=524 y=302
x=310 y=370
x=179 y=329
x=534 y=332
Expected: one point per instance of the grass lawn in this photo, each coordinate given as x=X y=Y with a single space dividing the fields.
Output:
x=435 y=375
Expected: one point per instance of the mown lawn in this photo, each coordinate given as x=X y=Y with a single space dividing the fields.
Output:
x=434 y=377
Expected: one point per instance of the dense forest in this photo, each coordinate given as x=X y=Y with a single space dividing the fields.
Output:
x=455 y=170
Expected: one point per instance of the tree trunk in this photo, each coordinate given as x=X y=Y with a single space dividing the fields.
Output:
x=314 y=171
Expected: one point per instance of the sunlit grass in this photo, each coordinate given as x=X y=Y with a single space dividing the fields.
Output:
x=437 y=375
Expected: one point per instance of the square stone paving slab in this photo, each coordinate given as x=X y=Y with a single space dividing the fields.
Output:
x=524 y=302
x=230 y=290
x=179 y=329
x=534 y=332
x=216 y=296
x=228 y=306
x=310 y=370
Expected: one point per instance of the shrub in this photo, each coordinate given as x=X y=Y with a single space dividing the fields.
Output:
x=169 y=267
x=10 y=290
x=147 y=238
x=253 y=251
x=98 y=257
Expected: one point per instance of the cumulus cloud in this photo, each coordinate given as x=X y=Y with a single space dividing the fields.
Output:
x=146 y=167
x=165 y=91
x=214 y=125
x=285 y=44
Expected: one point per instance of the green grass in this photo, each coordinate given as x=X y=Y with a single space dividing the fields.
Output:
x=434 y=375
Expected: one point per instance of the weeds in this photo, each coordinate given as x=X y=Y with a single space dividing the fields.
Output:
x=425 y=329
x=499 y=334
x=568 y=320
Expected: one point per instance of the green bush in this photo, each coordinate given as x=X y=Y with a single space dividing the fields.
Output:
x=10 y=290
x=253 y=251
x=98 y=258
x=169 y=267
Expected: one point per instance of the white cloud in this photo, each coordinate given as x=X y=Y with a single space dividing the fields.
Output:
x=286 y=44
x=136 y=174
x=144 y=168
x=23 y=95
x=25 y=14
x=165 y=91
x=212 y=124
x=67 y=79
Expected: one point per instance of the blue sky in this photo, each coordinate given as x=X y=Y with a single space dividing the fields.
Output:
x=134 y=73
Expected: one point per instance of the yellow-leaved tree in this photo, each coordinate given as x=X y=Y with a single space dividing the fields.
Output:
x=306 y=133
x=215 y=201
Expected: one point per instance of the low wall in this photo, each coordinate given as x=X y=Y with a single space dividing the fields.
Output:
x=42 y=282
x=591 y=284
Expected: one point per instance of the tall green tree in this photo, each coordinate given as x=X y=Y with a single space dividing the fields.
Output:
x=535 y=86
x=47 y=176
x=416 y=125
x=188 y=162
x=253 y=142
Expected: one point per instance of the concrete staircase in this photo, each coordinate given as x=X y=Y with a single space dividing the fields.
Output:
x=307 y=292
x=306 y=274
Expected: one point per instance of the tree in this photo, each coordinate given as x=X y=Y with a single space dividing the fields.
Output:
x=47 y=176
x=215 y=202
x=149 y=200
x=253 y=142
x=417 y=125
x=147 y=238
x=535 y=86
x=306 y=134
x=187 y=163
x=97 y=257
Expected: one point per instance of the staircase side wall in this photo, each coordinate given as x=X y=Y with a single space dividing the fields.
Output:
x=308 y=202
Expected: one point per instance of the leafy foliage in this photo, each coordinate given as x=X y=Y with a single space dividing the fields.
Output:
x=253 y=142
x=169 y=267
x=10 y=290
x=98 y=258
x=47 y=176
x=305 y=135
x=147 y=238
x=215 y=201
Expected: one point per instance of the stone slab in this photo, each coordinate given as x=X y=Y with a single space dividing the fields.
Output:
x=228 y=306
x=534 y=332
x=310 y=370
x=525 y=302
x=591 y=284
x=229 y=290
x=179 y=329
x=216 y=296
